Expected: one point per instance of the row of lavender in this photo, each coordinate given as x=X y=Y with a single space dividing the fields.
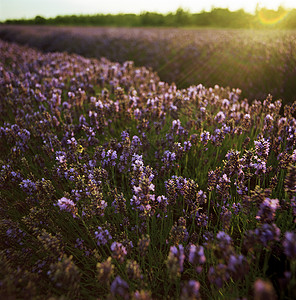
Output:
x=258 y=62
x=116 y=184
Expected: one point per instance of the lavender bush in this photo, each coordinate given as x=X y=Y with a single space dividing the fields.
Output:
x=115 y=184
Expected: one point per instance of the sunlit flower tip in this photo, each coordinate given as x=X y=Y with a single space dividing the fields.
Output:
x=151 y=187
x=220 y=117
x=72 y=141
x=293 y=155
x=225 y=178
x=67 y=205
x=272 y=203
x=61 y=158
x=176 y=123
x=269 y=117
x=137 y=189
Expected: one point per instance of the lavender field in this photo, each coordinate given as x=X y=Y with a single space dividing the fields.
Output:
x=117 y=185
x=259 y=62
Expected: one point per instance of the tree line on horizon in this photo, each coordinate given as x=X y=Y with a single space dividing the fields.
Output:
x=218 y=17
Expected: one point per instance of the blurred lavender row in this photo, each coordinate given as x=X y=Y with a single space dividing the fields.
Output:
x=258 y=62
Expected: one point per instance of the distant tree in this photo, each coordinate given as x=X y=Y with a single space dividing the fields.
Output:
x=182 y=17
x=39 y=20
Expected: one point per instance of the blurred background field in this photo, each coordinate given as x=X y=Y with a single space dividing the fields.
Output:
x=259 y=62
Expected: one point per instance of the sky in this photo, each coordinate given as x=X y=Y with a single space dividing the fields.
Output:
x=17 y=9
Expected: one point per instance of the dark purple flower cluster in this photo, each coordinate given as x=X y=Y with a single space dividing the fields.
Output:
x=175 y=261
x=143 y=200
x=15 y=135
x=267 y=210
x=102 y=236
x=197 y=257
x=289 y=244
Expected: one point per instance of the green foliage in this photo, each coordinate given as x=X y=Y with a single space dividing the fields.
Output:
x=217 y=18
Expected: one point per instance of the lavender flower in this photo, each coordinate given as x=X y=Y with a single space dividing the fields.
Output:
x=265 y=234
x=175 y=260
x=218 y=275
x=124 y=135
x=61 y=157
x=187 y=146
x=238 y=267
x=109 y=158
x=259 y=165
x=136 y=142
x=67 y=205
x=168 y=159
x=267 y=210
x=262 y=148
x=102 y=236
x=289 y=244
x=179 y=232
x=162 y=203
x=176 y=125
x=204 y=137
x=28 y=186
x=118 y=251
x=293 y=156
x=120 y=288
x=264 y=290
x=190 y=290
x=133 y=270
x=201 y=197
x=72 y=141
x=143 y=244
x=197 y=257
x=142 y=295
x=143 y=200
x=105 y=270
x=223 y=238
x=220 y=117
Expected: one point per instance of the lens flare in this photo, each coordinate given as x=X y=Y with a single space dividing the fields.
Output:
x=269 y=17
